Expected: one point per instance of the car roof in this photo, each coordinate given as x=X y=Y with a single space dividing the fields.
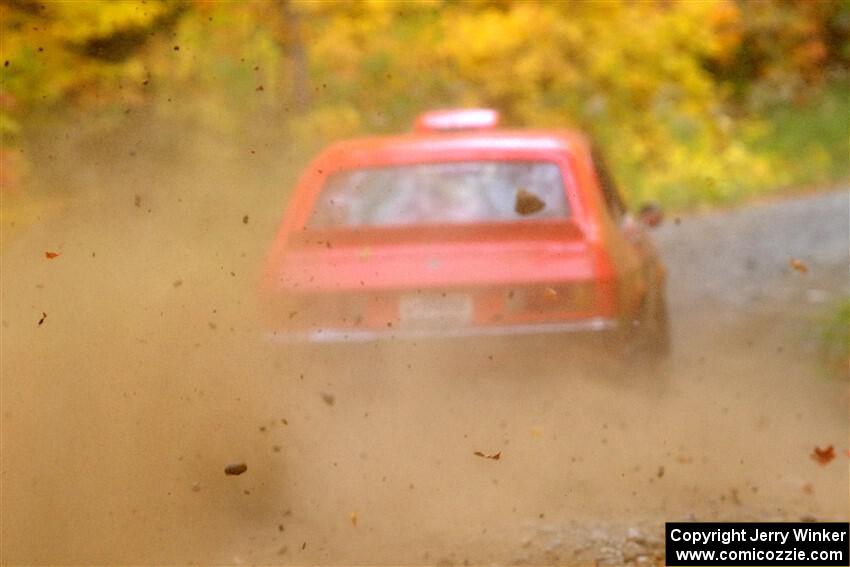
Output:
x=467 y=144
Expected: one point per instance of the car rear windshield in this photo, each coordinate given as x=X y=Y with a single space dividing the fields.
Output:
x=436 y=193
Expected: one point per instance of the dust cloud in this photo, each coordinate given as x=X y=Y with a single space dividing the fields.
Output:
x=150 y=374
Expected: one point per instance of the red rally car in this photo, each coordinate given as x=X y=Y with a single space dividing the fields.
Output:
x=461 y=228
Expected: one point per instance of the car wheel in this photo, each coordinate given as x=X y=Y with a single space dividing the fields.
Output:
x=654 y=329
x=652 y=345
x=644 y=352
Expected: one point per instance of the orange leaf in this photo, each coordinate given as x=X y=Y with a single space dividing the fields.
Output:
x=51 y=255
x=798 y=265
x=823 y=456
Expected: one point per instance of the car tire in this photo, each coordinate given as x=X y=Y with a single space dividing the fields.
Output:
x=654 y=329
x=644 y=349
x=651 y=353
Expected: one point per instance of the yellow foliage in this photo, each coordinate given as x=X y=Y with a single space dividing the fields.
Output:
x=657 y=84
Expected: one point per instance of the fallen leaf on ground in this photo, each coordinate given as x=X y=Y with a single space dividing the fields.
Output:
x=798 y=265
x=51 y=255
x=494 y=456
x=823 y=456
x=235 y=469
x=527 y=203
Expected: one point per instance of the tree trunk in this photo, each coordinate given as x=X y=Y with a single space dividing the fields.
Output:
x=297 y=56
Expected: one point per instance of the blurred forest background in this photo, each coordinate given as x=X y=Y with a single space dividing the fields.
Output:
x=697 y=103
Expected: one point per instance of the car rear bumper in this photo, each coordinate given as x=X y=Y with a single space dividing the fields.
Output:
x=589 y=326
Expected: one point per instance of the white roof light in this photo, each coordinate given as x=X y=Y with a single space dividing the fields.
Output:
x=464 y=119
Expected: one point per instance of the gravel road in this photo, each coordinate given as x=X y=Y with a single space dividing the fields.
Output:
x=146 y=378
x=740 y=258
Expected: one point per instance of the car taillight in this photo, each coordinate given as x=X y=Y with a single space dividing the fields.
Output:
x=575 y=297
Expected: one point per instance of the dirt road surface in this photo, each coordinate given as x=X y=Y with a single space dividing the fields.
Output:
x=146 y=377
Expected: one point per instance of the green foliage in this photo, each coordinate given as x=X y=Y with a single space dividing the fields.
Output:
x=74 y=52
x=835 y=340
x=811 y=139
x=696 y=103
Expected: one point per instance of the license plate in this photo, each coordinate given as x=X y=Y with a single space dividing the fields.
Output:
x=435 y=309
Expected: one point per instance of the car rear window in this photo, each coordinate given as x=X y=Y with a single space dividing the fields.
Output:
x=436 y=193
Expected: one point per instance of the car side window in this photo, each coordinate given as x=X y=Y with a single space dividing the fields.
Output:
x=613 y=200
